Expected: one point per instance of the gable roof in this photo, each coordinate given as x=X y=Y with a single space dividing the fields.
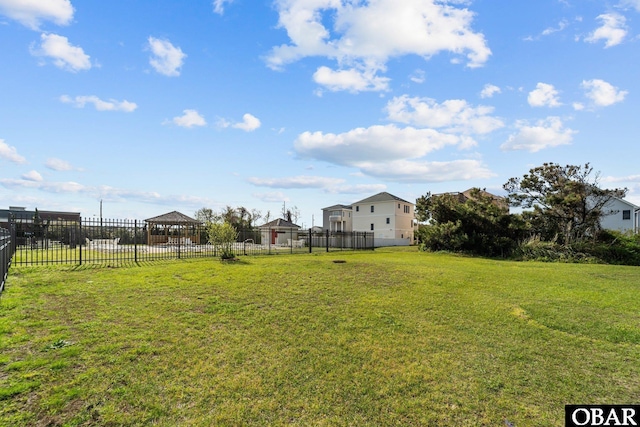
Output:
x=279 y=223
x=172 y=218
x=334 y=207
x=382 y=197
x=631 y=205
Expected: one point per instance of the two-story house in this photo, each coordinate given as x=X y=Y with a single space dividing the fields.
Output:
x=390 y=218
x=337 y=218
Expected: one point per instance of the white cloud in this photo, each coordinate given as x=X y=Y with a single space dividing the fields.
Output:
x=64 y=55
x=328 y=185
x=10 y=153
x=99 y=104
x=578 y=106
x=423 y=171
x=631 y=3
x=614 y=179
x=32 y=176
x=454 y=115
x=58 y=165
x=107 y=193
x=545 y=134
x=296 y=182
x=31 y=13
x=363 y=36
x=373 y=144
x=561 y=26
x=351 y=80
x=613 y=30
x=167 y=59
x=489 y=90
x=356 y=189
x=602 y=93
x=249 y=123
x=544 y=95
x=51 y=187
x=218 y=5
x=271 y=197
x=189 y=119
x=390 y=153
x=418 y=76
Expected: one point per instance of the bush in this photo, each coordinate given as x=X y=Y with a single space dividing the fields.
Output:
x=535 y=249
x=222 y=235
x=613 y=247
x=608 y=247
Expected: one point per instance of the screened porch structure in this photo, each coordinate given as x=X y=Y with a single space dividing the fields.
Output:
x=173 y=228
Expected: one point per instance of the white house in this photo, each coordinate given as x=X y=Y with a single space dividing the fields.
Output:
x=624 y=216
x=390 y=218
x=337 y=218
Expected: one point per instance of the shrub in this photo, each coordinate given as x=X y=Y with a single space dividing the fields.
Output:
x=222 y=235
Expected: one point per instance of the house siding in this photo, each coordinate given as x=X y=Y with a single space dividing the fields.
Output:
x=615 y=221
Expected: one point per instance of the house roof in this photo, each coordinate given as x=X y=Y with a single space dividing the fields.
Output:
x=634 y=207
x=279 y=223
x=334 y=207
x=172 y=218
x=382 y=197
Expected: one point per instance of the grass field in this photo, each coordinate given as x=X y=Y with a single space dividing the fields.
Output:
x=391 y=337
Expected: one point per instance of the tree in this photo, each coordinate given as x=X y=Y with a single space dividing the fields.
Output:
x=567 y=201
x=223 y=236
x=255 y=216
x=476 y=225
x=206 y=215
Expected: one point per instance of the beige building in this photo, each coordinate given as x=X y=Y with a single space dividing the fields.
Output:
x=337 y=218
x=390 y=218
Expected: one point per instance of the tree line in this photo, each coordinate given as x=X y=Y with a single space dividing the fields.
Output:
x=562 y=208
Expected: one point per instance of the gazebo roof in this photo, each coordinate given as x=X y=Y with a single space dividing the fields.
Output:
x=172 y=218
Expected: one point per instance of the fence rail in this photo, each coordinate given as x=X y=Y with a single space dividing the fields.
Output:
x=118 y=242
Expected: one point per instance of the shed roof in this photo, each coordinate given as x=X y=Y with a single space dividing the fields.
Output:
x=172 y=218
x=280 y=223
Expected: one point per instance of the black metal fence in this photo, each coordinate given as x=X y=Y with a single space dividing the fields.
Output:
x=118 y=242
x=6 y=253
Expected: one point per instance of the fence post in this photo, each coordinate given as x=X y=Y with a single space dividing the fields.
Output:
x=327 y=240
x=74 y=237
x=310 y=241
x=135 y=240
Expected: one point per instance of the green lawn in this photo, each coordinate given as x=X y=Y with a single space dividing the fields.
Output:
x=391 y=337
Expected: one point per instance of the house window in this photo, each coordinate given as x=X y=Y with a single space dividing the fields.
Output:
x=371 y=227
x=626 y=214
x=388 y=221
x=357 y=208
x=407 y=209
x=398 y=205
x=371 y=208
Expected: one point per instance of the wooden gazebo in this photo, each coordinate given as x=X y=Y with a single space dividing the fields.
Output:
x=173 y=228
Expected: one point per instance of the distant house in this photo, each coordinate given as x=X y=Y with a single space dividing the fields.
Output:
x=278 y=232
x=501 y=202
x=624 y=216
x=22 y=215
x=337 y=218
x=390 y=219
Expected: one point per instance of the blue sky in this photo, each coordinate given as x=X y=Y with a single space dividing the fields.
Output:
x=154 y=106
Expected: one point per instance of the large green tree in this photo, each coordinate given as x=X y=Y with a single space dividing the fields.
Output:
x=566 y=202
x=476 y=225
